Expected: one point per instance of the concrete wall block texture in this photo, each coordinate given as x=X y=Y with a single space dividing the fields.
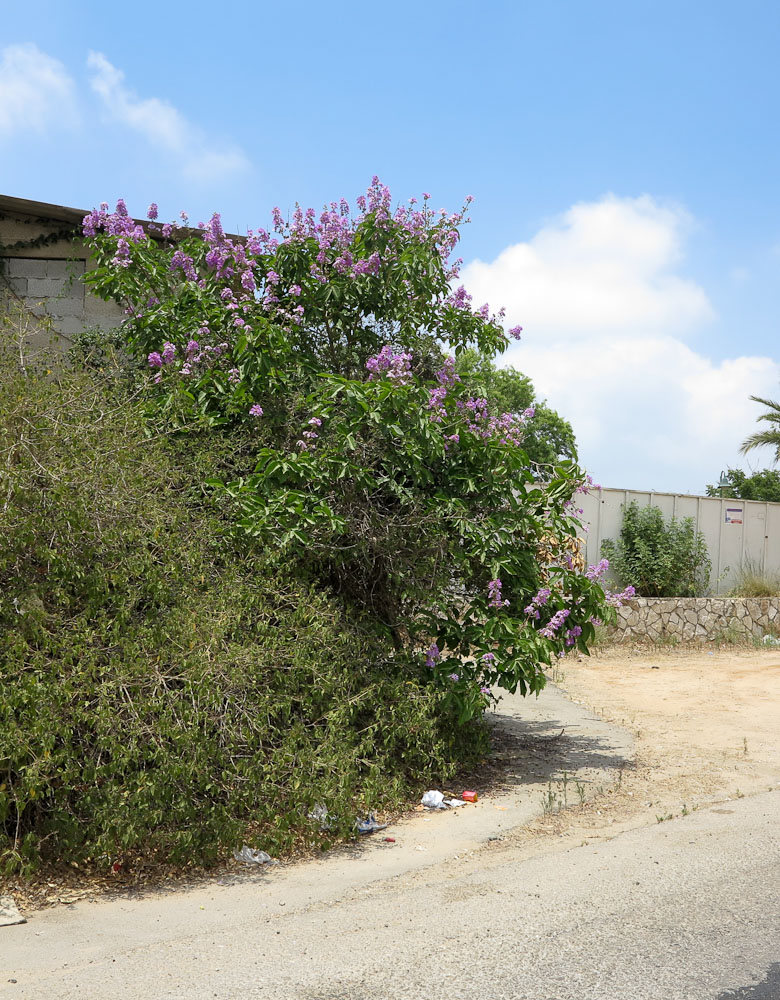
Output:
x=65 y=306
x=64 y=268
x=68 y=325
x=105 y=322
x=24 y=267
x=44 y=288
x=93 y=306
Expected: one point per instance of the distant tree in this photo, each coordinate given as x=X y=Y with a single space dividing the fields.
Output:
x=547 y=438
x=762 y=485
x=769 y=437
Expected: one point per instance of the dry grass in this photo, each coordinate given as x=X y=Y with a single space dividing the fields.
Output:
x=753 y=581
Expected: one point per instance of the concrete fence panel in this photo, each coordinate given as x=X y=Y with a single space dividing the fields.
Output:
x=738 y=533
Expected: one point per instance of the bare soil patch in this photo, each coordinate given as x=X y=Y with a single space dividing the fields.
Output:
x=707 y=730
x=707 y=713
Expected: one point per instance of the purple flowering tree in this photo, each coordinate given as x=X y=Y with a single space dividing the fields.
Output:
x=377 y=468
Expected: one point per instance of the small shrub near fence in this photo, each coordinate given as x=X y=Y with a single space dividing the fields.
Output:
x=656 y=558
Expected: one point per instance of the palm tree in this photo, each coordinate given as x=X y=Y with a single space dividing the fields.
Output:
x=771 y=436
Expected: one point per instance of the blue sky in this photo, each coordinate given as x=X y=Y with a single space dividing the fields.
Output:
x=623 y=159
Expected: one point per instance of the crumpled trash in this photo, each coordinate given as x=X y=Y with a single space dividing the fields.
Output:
x=436 y=800
x=771 y=640
x=250 y=856
x=321 y=815
x=369 y=825
x=9 y=912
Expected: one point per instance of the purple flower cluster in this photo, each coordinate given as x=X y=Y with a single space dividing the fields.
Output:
x=396 y=367
x=596 y=572
x=433 y=656
x=256 y=410
x=538 y=601
x=116 y=223
x=507 y=428
x=338 y=250
x=460 y=299
x=309 y=436
x=446 y=375
x=198 y=357
x=228 y=258
x=572 y=634
x=121 y=257
x=186 y=263
x=436 y=397
x=618 y=600
x=494 y=595
x=554 y=623
x=157 y=359
x=333 y=229
x=588 y=485
x=194 y=355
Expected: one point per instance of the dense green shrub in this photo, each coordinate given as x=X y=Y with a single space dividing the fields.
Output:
x=162 y=695
x=656 y=558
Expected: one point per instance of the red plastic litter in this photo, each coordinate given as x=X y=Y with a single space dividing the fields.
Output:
x=390 y=840
x=469 y=796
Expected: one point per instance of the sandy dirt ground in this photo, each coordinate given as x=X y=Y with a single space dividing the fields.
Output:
x=707 y=730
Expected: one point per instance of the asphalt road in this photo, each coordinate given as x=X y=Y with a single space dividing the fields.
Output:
x=684 y=910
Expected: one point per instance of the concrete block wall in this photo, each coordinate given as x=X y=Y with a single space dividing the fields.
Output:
x=53 y=288
x=697 y=619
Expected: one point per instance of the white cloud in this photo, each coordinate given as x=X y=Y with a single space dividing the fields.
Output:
x=36 y=91
x=605 y=314
x=601 y=267
x=162 y=125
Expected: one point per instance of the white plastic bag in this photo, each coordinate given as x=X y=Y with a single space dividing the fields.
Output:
x=251 y=857
x=435 y=800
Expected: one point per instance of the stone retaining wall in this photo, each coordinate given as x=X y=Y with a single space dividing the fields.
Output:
x=697 y=619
